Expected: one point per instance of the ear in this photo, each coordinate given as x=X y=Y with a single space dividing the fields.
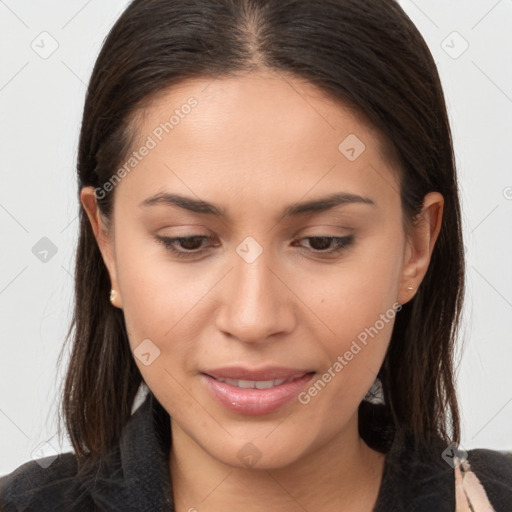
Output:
x=104 y=238
x=420 y=244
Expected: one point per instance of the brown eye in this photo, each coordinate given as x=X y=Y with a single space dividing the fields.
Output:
x=184 y=246
x=329 y=244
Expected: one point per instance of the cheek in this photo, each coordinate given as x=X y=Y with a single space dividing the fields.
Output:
x=353 y=295
x=357 y=303
x=153 y=297
x=164 y=301
x=158 y=303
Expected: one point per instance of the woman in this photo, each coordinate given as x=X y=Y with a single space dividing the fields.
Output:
x=270 y=252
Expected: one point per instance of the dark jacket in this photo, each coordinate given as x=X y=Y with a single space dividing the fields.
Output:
x=135 y=475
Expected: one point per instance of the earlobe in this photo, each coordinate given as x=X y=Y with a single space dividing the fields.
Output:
x=103 y=238
x=420 y=244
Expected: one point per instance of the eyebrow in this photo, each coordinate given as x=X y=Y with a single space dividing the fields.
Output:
x=294 y=209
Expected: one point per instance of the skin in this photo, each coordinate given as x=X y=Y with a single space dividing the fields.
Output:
x=253 y=145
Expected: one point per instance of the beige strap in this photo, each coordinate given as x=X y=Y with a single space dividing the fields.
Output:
x=470 y=495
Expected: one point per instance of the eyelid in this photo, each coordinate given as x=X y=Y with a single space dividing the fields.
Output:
x=168 y=240
x=343 y=243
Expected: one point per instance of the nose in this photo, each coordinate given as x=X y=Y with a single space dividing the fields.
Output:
x=256 y=302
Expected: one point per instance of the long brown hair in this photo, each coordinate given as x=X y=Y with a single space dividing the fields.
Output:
x=364 y=53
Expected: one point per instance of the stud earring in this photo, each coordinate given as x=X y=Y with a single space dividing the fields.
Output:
x=410 y=288
x=112 y=296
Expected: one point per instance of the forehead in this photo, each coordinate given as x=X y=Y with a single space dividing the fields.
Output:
x=261 y=133
x=259 y=104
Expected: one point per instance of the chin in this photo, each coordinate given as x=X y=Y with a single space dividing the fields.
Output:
x=260 y=453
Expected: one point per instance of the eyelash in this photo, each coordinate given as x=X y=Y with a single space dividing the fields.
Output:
x=343 y=242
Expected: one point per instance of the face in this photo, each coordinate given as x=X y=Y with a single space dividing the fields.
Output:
x=259 y=239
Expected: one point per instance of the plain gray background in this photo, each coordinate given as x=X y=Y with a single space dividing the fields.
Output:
x=47 y=53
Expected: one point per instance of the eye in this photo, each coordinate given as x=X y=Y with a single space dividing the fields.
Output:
x=324 y=244
x=184 y=246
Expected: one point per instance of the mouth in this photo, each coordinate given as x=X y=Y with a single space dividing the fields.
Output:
x=254 y=392
x=256 y=384
x=267 y=373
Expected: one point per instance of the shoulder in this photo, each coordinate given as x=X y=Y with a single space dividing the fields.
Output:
x=419 y=475
x=44 y=484
x=494 y=471
x=491 y=462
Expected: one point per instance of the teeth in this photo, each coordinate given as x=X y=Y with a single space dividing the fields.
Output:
x=254 y=384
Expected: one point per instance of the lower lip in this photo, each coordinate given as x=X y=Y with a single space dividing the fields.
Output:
x=255 y=401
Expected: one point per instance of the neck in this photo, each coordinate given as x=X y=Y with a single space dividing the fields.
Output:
x=343 y=474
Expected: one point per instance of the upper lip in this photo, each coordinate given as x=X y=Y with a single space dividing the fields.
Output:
x=265 y=373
